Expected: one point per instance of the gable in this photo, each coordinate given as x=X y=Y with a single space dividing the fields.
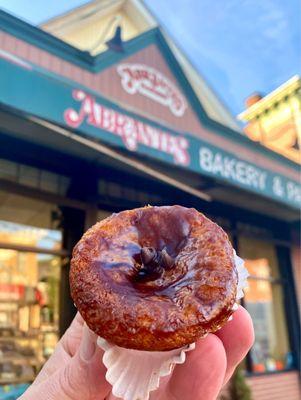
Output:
x=145 y=82
x=91 y=36
x=56 y=55
x=89 y=26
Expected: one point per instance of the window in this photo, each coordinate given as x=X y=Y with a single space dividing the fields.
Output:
x=30 y=271
x=34 y=177
x=29 y=313
x=125 y=192
x=264 y=301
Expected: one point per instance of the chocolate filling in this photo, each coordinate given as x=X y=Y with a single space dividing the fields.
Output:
x=153 y=263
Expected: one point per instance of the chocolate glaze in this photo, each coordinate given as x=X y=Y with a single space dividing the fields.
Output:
x=152 y=263
x=154 y=278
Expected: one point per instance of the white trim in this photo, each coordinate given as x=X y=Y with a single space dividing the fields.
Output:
x=140 y=14
x=276 y=95
x=77 y=17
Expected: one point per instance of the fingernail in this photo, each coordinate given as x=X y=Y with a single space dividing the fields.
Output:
x=88 y=344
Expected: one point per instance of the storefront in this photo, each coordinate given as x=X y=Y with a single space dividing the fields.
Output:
x=82 y=136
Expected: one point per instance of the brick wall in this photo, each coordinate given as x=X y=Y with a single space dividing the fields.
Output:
x=285 y=386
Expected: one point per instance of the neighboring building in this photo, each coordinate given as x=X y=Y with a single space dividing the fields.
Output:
x=89 y=128
x=275 y=120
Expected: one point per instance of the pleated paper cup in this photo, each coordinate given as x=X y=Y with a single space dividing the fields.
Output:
x=133 y=374
x=242 y=276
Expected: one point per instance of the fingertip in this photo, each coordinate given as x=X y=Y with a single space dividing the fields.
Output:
x=211 y=347
x=240 y=328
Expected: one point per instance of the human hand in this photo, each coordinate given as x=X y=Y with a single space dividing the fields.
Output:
x=75 y=370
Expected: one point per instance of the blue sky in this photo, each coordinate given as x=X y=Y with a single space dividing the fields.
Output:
x=239 y=46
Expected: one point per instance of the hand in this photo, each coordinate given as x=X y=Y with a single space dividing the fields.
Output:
x=75 y=370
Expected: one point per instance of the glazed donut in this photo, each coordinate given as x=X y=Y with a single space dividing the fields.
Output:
x=154 y=278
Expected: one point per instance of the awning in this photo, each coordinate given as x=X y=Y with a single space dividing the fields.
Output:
x=45 y=96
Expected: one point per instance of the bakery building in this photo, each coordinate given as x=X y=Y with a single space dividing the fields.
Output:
x=101 y=112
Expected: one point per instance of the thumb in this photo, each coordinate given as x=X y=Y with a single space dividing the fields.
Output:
x=83 y=377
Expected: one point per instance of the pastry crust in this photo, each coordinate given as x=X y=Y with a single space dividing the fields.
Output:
x=178 y=302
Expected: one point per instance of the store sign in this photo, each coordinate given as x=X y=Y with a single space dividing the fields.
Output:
x=139 y=78
x=59 y=102
x=131 y=131
x=230 y=168
x=242 y=173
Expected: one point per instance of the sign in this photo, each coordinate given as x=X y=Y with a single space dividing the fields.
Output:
x=139 y=78
x=224 y=165
x=211 y=160
x=131 y=131
x=57 y=100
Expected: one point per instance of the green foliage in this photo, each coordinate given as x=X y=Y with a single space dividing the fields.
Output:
x=238 y=388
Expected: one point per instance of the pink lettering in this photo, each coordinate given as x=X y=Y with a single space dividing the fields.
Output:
x=74 y=118
x=130 y=131
x=178 y=148
x=139 y=78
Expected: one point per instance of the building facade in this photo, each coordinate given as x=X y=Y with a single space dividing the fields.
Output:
x=87 y=133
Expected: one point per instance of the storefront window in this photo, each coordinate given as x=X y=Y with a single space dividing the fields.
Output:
x=13 y=233
x=33 y=177
x=28 y=313
x=115 y=191
x=27 y=212
x=30 y=268
x=264 y=301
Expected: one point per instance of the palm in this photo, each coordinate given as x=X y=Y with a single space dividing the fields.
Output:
x=69 y=376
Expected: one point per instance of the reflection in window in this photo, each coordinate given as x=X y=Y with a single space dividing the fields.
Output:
x=264 y=301
x=29 y=286
x=29 y=313
x=29 y=222
x=14 y=233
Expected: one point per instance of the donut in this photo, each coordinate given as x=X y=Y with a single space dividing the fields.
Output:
x=154 y=278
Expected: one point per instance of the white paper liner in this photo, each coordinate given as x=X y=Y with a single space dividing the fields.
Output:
x=242 y=276
x=133 y=374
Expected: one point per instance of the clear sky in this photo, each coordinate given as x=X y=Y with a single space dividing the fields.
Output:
x=239 y=46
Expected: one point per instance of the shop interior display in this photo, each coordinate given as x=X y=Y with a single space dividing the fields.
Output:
x=28 y=305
